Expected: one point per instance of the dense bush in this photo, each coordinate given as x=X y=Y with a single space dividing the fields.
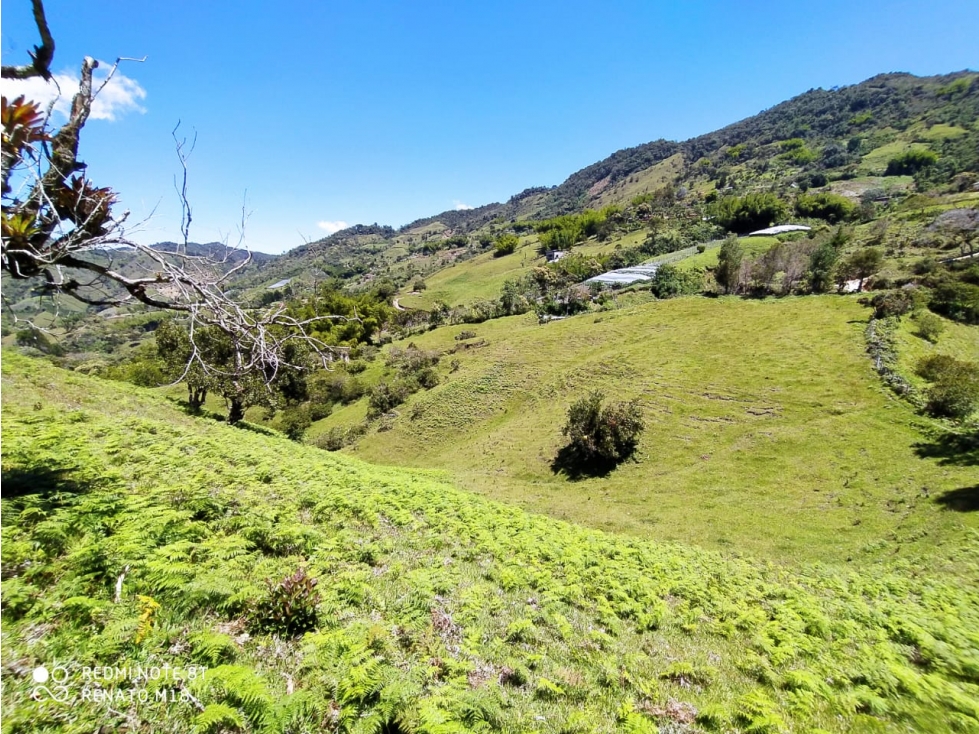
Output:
x=326 y=388
x=427 y=377
x=333 y=440
x=930 y=327
x=934 y=366
x=954 y=392
x=339 y=436
x=911 y=162
x=603 y=434
x=289 y=606
x=831 y=207
x=748 y=213
x=385 y=396
x=411 y=359
x=893 y=303
x=957 y=300
x=795 y=150
x=670 y=282
x=664 y=241
x=295 y=421
x=505 y=244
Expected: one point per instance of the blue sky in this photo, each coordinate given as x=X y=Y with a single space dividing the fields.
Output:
x=317 y=113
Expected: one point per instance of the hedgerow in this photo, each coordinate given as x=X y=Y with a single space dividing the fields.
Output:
x=438 y=611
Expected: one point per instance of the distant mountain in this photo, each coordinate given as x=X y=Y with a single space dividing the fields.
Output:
x=848 y=121
x=216 y=251
x=813 y=139
x=133 y=263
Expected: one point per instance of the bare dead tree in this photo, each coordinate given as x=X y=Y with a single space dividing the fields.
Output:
x=59 y=229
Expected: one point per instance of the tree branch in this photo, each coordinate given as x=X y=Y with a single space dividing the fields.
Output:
x=41 y=57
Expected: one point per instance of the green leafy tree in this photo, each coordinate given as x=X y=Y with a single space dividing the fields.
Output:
x=605 y=434
x=208 y=360
x=506 y=244
x=670 y=282
x=729 y=262
x=822 y=266
x=439 y=313
x=859 y=266
x=909 y=163
x=831 y=207
x=175 y=349
x=954 y=392
x=340 y=319
x=747 y=213
x=513 y=298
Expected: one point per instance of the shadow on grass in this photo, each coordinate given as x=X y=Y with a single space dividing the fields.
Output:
x=951 y=449
x=575 y=466
x=256 y=428
x=965 y=499
x=184 y=408
x=51 y=483
x=213 y=415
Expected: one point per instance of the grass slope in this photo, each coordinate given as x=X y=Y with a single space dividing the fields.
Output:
x=767 y=429
x=477 y=279
x=439 y=611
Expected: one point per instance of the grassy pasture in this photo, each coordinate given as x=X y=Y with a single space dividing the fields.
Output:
x=479 y=278
x=768 y=431
x=875 y=162
x=752 y=246
x=482 y=277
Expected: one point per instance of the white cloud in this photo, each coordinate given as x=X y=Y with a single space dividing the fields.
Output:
x=121 y=95
x=332 y=227
x=460 y=207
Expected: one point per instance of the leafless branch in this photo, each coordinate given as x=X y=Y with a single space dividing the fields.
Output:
x=186 y=215
x=42 y=56
x=63 y=228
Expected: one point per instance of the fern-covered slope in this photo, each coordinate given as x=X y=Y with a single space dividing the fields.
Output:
x=439 y=611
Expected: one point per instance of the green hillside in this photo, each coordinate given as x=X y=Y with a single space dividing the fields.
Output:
x=767 y=429
x=840 y=140
x=794 y=546
x=134 y=535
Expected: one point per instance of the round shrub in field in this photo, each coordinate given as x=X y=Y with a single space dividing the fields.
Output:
x=930 y=327
x=603 y=433
x=954 y=392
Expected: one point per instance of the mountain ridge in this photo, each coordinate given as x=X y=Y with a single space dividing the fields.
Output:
x=876 y=111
